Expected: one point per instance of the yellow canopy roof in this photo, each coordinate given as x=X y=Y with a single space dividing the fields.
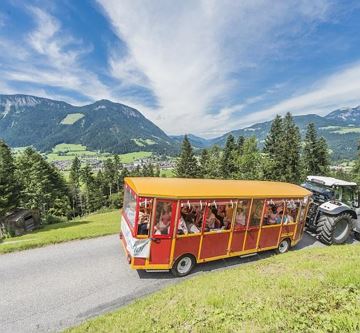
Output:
x=182 y=188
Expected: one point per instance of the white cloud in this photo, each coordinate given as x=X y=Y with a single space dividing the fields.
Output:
x=51 y=57
x=188 y=51
x=340 y=89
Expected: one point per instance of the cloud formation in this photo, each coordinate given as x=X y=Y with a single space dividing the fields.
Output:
x=337 y=90
x=202 y=67
x=189 y=51
x=52 y=58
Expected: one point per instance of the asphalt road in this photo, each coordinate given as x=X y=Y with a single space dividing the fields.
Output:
x=51 y=288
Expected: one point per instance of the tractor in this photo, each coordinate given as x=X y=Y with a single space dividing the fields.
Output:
x=335 y=209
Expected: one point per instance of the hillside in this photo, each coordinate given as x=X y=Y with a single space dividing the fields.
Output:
x=341 y=129
x=314 y=290
x=103 y=125
x=117 y=128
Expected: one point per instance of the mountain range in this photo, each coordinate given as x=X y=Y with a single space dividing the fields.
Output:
x=101 y=126
x=117 y=128
x=341 y=129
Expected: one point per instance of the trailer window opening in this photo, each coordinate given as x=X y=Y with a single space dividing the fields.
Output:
x=274 y=212
x=163 y=218
x=130 y=207
x=145 y=211
x=190 y=218
x=256 y=212
x=291 y=211
x=242 y=214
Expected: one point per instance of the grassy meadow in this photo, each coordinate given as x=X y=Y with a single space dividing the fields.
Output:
x=90 y=226
x=67 y=152
x=314 y=290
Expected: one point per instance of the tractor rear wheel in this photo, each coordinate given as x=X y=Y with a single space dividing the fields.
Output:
x=334 y=229
x=357 y=235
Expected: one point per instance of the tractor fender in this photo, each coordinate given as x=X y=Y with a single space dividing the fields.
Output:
x=336 y=208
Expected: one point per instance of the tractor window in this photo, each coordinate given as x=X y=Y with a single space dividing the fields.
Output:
x=347 y=196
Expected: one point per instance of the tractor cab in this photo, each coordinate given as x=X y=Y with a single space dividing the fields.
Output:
x=335 y=210
x=332 y=189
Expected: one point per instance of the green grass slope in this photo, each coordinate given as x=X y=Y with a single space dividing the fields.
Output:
x=314 y=290
x=90 y=226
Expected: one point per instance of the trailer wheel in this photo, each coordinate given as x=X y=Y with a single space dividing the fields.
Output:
x=357 y=235
x=334 y=229
x=283 y=247
x=183 y=265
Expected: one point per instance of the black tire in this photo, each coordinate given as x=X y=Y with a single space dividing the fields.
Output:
x=334 y=229
x=283 y=247
x=357 y=236
x=183 y=265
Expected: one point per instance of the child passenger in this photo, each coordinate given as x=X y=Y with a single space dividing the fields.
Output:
x=162 y=227
x=240 y=218
x=212 y=222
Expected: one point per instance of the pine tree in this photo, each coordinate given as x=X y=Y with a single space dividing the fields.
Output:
x=273 y=150
x=240 y=144
x=9 y=196
x=117 y=169
x=204 y=169
x=323 y=156
x=356 y=169
x=228 y=160
x=187 y=166
x=110 y=175
x=273 y=139
x=290 y=151
x=316 y=153
x=214 y=162
x=42 y=186
x=250 y=161
x=93 y=195
x=157 y=171
x=310 y=151
x=75 y=186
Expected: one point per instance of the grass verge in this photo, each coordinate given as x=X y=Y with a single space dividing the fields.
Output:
x=94 y=225
x=314 y=290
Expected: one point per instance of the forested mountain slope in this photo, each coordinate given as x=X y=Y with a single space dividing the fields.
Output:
x=103 y=125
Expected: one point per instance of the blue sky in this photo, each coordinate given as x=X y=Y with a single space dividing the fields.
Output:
x=201 y=67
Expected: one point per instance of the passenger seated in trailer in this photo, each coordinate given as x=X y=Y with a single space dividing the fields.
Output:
x=240 y=218
x=228 y=216
x=288 y=218
x=272 y=215
x=144 y=217
x=162 y=226
x=182 y=228
x=291 y=212
x=191 y=227
x=144 y=223
x=212 y=221
x=187 y=221
x=198 y=213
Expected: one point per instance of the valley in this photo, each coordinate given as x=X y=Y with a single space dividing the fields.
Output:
x=105 y=127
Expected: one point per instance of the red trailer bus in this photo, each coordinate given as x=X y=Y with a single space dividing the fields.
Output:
x=173 y=224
